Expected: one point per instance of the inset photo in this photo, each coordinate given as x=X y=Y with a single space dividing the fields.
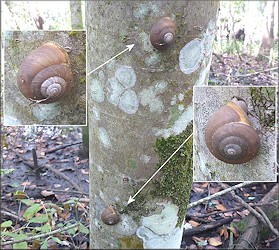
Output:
x=234 y=134
x=44 y=78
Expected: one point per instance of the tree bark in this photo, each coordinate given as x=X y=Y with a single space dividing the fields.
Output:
x=141 y=112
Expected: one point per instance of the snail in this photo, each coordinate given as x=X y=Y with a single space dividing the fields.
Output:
x=45 y=75
x=109 y=216
x=229 y=134
x=162 y=33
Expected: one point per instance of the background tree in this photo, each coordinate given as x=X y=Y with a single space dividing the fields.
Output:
x=140 y=112
x=76 y=15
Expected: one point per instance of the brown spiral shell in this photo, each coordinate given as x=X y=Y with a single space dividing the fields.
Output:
x=45 y=74
x=162 y=33
x=109 y=216
x=229 y=135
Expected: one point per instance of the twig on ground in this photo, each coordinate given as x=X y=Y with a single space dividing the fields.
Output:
x=255 y=73
x=52 y=169
x=61 y=147
x=35 y=160
x=252 y=210
x=219 y=58
x=193 y=204
x=55 y=171
x=62 y=191
x=252 y=224
x=12 y=215
x=209 y=226
x=219 y=212
x=40 y=235
x=269 y=224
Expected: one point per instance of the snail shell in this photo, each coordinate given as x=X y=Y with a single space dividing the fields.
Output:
x=162 y=33
x=109 y=216
x=229 y=135
x=45 y=74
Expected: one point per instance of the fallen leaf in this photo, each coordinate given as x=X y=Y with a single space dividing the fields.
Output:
x=224 y=232
x=194 y=223
x=215 y=202
x=228 y=214
x=214 y=190
x=62 y=197
x=216 y=241
x=236 y=235
x=20 y=195
x=84 y=171
x=204 y=185
x=200 y=241
x=198 y=190
x=46 y=193
x=26 y=183
x=243 y=213
x=221 y=207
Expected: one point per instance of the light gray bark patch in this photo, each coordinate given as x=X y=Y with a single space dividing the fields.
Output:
x=126 y=75
x=190 y=56
x=129 y=102
x=97 y=90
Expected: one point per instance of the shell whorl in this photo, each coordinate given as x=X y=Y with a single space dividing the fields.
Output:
x=162 y=33
x=109 y=216
x=45 y=74
x=229 y=135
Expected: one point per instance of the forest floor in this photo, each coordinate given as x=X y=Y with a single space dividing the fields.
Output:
x=236 y=70
x=59 y=183
x=58 y=186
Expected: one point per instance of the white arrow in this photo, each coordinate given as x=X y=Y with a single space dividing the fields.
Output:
x=131 y=199
x=129 y=47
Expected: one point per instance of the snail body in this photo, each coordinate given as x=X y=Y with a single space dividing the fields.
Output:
x=162 y=33
x=109 y=216
x=230 y=136
x=45 y=74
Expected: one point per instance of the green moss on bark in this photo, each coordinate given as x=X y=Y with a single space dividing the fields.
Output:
x=177 y=176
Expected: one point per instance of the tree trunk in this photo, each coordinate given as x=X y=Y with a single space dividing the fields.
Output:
x=84 y=150
x=207 y=167
x=141 y=112
x=76 y=15
x=267 y=41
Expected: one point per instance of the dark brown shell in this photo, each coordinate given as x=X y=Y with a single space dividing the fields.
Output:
x=162 y=33
x=47 y=65
x=109 y=216
x=229 y=135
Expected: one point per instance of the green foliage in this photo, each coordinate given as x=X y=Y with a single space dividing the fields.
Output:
x=263 y=102
x=6 y=171
x=31 y=211
x=6 y=224
x=40 y=219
